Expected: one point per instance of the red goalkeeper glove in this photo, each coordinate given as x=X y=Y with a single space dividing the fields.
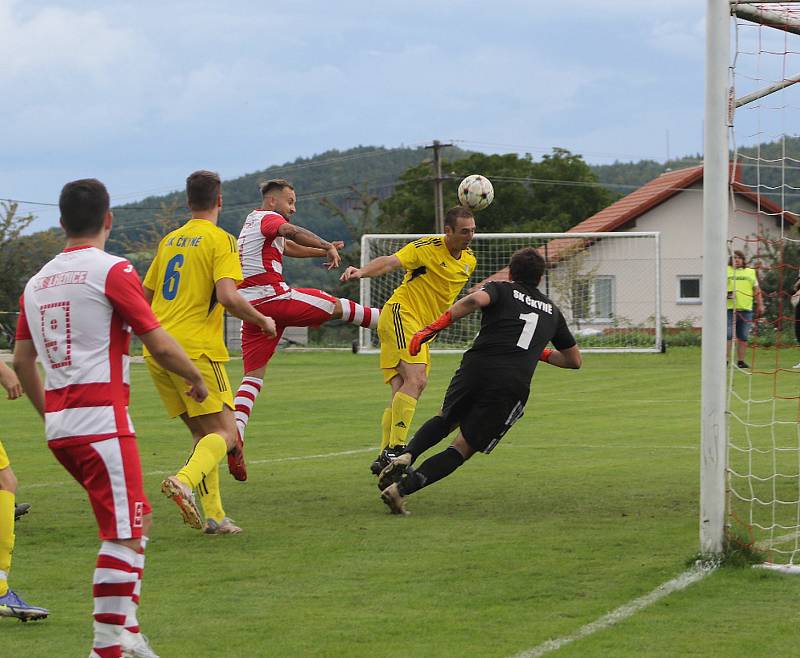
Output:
x=545 y=355
x=429 y=333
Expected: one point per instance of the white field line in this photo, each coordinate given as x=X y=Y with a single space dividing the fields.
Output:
x=327 y=455
x=620 y=614
x=358 y=451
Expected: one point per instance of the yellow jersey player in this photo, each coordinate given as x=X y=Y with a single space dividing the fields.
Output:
x=437 y=268
x=11 y=605
x=193 y=277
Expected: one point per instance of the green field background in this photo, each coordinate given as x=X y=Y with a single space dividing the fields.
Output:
x=588 y=503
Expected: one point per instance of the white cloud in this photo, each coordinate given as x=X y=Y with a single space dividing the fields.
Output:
x=153 y=87
x=683 y=38
x=56 y=41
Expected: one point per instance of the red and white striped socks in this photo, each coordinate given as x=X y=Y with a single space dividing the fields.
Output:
x=361 y=316
x=244 y=401
x=132 y=622
x=114 y=582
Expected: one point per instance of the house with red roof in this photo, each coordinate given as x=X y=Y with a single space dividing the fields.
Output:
x=616 y=283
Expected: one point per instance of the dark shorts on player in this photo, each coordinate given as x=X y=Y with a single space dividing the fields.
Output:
x=485 y=407
x=304 y=307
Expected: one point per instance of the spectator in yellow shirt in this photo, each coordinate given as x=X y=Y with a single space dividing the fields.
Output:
x=743 y=293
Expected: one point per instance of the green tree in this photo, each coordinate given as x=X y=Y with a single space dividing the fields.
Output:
x=21 y=256
x=358 y=212
x=553 y=194
x=777 y=273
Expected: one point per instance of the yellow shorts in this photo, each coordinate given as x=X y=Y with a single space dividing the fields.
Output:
x=4 y=462
x=172 y=388
x=396 y=326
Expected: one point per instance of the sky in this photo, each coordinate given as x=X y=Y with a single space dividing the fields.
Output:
x=139 y=94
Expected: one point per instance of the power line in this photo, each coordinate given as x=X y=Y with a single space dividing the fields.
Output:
x=29 y=203
x=309 y=196
x=272 y=168
x=381 y=185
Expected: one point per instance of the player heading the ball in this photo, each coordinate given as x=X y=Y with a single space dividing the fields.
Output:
x=436 y=269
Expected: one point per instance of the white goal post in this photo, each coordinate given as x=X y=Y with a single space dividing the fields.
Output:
x=608 y=285
x=750 y=436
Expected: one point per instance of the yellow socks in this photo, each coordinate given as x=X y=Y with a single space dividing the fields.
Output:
x=210 y=497
x=403 y=408
x=6 y=537
x=207 y=455
x=386 y=427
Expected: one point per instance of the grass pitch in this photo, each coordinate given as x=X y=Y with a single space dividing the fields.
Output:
x=588 y=503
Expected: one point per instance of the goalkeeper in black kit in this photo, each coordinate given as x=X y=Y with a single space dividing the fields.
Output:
x=488 y=392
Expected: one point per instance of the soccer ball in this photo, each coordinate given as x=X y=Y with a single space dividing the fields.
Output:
x=475 y=192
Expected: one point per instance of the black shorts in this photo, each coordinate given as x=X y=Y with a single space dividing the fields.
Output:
x=484 y=407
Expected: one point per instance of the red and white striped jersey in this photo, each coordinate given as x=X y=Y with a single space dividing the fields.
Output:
x=79 y=311
x=261 y=254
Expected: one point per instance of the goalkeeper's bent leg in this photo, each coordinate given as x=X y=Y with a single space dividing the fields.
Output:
x=432 y=470
x=432 y=431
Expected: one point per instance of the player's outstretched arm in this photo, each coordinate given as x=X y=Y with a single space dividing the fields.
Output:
x=10 y=382
x=568 y=358
x=168 y=354
x=305 y=238
x=295 y=250
x=460 y=309
x=469 y=304
x=28 y=373
x=239 y=307
x=376 y=267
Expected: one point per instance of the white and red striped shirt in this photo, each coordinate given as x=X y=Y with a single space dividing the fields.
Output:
x=261 y=255
x=79 y=311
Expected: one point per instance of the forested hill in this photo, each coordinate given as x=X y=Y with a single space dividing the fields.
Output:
x=333 y=175
x=329 y=185
x=327 y=175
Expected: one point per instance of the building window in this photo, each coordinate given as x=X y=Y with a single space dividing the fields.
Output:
x=593 y=299
x=689 y=290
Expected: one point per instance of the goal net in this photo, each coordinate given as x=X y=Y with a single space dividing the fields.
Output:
x=762 y=390
x=607 y=285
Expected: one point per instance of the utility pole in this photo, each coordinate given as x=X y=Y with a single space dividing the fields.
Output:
x=438 y=193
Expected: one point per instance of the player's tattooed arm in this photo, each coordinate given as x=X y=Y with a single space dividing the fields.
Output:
x=305 y=238
x=295 y=250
